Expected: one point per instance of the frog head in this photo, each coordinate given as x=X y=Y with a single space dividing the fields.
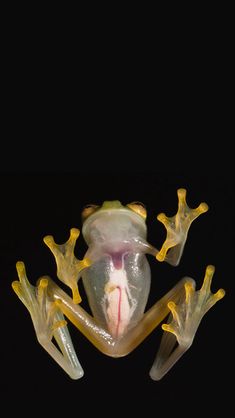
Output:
x=113 y=218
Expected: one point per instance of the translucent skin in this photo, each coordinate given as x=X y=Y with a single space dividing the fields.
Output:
x=116 y=278
x=117 y=283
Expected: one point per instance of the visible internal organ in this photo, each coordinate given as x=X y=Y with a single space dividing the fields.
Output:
x=119 y=305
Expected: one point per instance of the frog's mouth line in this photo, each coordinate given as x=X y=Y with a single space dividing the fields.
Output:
x=125 y=212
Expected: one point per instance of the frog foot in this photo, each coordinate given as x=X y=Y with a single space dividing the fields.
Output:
x=48 y=321
x=187 y=316
x=183 y=322
x=68 y=266
x=177 y=229
x=45 y=314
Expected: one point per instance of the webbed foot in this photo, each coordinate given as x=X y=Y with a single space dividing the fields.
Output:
x=177 y=229
x=187 y=316
x=48 y=321
x=183 y=323
x=68 y=266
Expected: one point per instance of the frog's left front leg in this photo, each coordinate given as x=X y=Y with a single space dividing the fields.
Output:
x=177 y=229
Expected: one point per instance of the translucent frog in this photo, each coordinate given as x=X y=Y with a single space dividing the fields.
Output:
x=116 y=278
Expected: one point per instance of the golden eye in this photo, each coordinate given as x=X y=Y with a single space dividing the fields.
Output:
x=139 y=208
x=88 y=210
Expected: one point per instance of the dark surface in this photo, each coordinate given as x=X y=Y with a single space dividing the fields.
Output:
x=129 y=114
x=35 y=205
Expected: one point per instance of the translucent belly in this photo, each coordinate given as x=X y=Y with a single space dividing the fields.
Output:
x=117 y=287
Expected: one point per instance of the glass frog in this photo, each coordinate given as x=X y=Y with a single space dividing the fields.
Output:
x=116 y=278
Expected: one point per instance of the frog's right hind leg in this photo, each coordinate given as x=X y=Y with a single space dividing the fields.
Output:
x=48 y=321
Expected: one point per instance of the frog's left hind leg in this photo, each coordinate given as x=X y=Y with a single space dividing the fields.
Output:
x=183 y=322
x=48 y=321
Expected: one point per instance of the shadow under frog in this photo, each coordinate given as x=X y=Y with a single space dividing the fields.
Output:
x=116 y=277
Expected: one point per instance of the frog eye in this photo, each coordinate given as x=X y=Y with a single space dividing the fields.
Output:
x=88 y=210
x=139 y=208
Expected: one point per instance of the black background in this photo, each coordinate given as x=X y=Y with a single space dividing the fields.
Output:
x=130 y=108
